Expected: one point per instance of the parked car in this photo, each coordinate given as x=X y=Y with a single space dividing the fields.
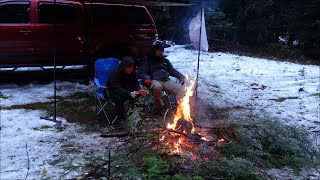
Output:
x=77 y=32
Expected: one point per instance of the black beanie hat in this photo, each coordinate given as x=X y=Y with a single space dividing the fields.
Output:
x=158 y=46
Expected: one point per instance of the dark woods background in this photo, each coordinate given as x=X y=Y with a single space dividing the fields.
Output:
x=280 y=28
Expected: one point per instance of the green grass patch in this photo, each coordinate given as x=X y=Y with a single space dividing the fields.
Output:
x=2 y=96
x=316 y=163
x=55 y=162
x=41 y=128
x=78 y=107
x=32 y=106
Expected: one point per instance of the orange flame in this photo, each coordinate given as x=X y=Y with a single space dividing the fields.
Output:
x=183 y=109
x=183 y=112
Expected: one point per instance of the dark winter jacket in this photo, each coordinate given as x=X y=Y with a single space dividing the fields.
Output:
x=120 y=83
x=158 y=69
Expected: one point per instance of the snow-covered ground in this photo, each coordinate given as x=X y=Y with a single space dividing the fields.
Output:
x=284 y=90
x=287 y=91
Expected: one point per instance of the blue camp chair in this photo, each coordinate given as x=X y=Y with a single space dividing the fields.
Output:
x=103 y=67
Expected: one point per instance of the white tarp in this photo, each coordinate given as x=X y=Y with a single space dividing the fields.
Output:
x=194 y=32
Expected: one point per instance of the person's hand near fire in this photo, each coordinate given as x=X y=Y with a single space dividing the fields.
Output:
x=134 y=94
x=182 y=80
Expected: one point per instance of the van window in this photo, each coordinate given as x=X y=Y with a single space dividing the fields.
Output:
x=15 y=12
x=62 y=14
x=115 y=14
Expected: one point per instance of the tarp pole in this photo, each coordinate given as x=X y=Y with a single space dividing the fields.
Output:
x=58 y=123
x=54 y=65
x=197 y=78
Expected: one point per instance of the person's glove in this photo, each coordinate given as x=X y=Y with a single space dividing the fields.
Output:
x=143 y=92
x=182 y=81
x=147 y=82
x=134 y=94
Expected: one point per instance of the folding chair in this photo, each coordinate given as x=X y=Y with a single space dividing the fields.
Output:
x=103 y=67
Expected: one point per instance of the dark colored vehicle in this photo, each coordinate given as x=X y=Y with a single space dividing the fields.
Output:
x=77 y=32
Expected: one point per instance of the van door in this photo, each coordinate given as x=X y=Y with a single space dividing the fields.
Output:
x=15 y=47
x=60 y=32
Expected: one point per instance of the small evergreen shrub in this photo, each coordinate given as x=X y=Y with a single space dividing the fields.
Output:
x=271 y=143
x=157 y=168
x=223 y=168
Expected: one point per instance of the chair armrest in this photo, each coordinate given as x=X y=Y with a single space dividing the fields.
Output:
x=97 y=83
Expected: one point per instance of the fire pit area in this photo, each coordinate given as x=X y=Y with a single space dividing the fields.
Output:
x=183 y=138
x=184 y=144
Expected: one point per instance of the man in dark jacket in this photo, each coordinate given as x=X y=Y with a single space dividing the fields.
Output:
x=122 y=86
x=155 y=72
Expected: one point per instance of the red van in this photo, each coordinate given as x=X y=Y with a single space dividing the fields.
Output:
x=76 y=31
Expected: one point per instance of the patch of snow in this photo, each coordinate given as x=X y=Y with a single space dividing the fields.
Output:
x=287 y=91
x=19 y=95
x=45 y=145
x=283 y=90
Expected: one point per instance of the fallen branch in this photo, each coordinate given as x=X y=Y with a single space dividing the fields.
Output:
x=123 y=134
x=224 y=127
x=178 y=132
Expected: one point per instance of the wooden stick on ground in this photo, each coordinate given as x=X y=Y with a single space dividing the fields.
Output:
x=123 y=134
x=178 y=132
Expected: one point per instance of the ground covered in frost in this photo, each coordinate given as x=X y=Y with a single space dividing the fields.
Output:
x=244 y=85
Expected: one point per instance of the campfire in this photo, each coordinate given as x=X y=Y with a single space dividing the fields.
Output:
x=181 y=136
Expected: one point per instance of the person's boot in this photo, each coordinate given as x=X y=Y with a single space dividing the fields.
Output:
x=120 y=123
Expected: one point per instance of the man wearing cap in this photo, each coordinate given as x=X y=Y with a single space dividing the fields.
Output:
x=123 y=85
x=155 y=72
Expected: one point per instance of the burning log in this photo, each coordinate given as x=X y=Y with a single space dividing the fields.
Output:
x=195 y=138
x=184 y=126
x=178 y=132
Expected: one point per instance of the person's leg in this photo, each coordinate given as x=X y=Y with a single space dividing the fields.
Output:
x=177 y=89
x=119 y=101
x=156 y=87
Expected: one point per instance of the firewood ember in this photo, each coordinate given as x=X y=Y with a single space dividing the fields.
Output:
x=194 y=138
x=184 y=126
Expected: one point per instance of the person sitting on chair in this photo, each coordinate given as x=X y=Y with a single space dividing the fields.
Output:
x=123 y=85
x=155 y=72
